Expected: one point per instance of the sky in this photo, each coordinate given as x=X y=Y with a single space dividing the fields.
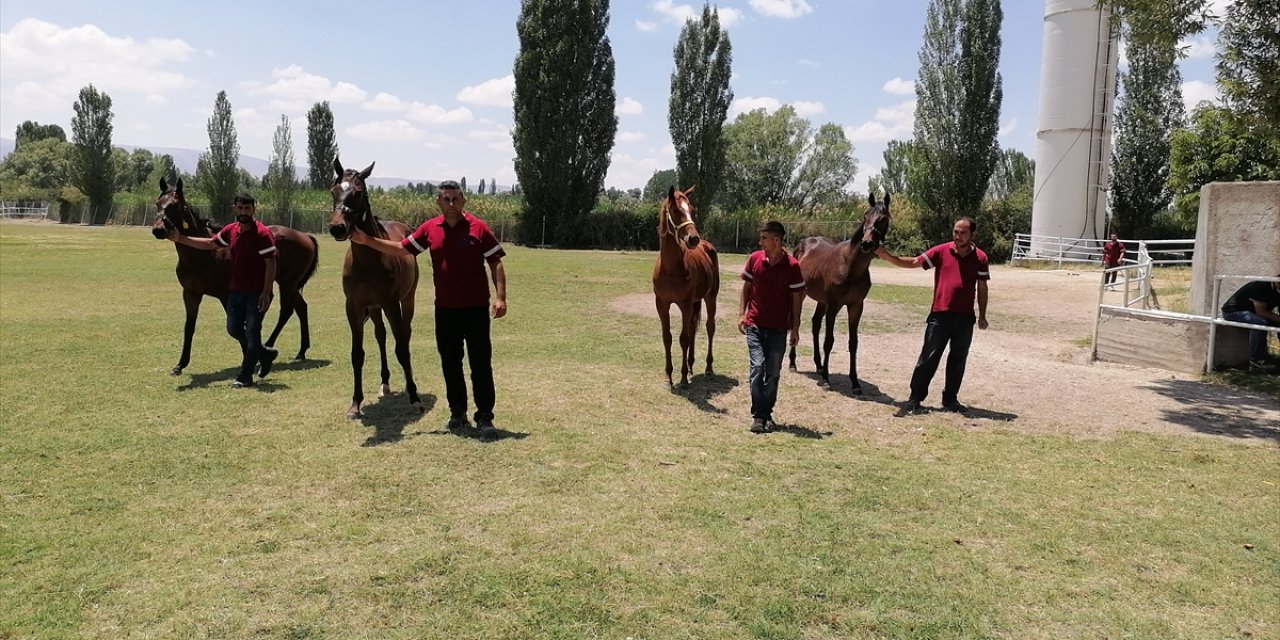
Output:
x=424 y=88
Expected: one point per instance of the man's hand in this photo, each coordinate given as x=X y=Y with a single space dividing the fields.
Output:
x=795 y=336
x=264 y=302
x=742 y=324
x=881 y=252
x=358 y=237
x=982 y=323
x=499 y=308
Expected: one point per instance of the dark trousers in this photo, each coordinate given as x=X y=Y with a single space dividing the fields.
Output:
x=943 y=328
x=1109 y=278
x=459 y=331
x=765 y=348
x=1257 y=339
x=244 y=323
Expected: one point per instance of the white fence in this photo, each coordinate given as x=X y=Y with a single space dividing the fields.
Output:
x=1030 y=248
x=24 y=210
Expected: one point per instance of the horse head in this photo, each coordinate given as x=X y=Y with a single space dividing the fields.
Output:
x=677 y=218
x=875 y=224
x=350 y=202
x=173 y=213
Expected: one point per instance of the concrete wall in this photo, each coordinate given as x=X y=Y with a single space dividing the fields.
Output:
x=1159 y=343
x=1238 y=234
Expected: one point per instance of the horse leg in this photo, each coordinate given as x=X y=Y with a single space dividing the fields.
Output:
x=380 y=334
x=688 y=324
x=792 y=356
x=664 y=315
x=300 y=306
x=855 y=317
x=818 y=313
x=286 y=312
x=711 y=331
x=400 y=329
x=827 y=343
x=356 y=317
x=190 y=300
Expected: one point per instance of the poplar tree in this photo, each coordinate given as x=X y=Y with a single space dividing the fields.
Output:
x=322 y=145
x=282 y=173
x=564 y=118
x=93 y=169
x=221 y=162
x=699 y=105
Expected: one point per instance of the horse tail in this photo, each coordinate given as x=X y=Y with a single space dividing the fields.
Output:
x=315 y=262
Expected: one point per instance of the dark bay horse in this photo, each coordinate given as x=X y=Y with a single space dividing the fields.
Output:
x=687 y=274
x=836 y=275
x=374 y=283
x=208 y=273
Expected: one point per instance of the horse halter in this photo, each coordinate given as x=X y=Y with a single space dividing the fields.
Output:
x=671 y=221
x=351 y=185
x=162 y=213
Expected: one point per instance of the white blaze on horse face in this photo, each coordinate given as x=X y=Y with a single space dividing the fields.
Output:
x=346 y=186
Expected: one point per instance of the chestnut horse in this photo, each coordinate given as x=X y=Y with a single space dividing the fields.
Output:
x=208 y=273
x=836 y=275
x=687 y=274
x=374 y=283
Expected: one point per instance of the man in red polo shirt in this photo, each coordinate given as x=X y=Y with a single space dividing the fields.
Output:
x=460 y=244
x=253 y=273
x=772 y=295
x=960 y=275
x=1112 y=256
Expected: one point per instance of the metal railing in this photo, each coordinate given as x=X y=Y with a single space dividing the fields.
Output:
x=1216 y=321
x=24 y=210
x=1061 y=250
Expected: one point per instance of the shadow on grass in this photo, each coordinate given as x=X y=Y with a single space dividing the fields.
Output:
x=801 y=432
x=470 y=432
x=203 y=380
x=299 y=365
x=840 y=384
x=228 y=375
x=390 y=415
x=705 y=387
x=969 y=412
x=1220 y=409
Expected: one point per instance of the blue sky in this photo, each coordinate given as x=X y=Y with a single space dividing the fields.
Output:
x=424 y=87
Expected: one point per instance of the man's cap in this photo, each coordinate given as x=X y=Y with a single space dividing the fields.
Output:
x=450 y=184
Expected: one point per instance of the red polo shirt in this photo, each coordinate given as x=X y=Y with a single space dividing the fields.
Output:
x=1112 y=252
x=955 y=277
x=458 y=254
x=249 y=252
x=772 y=286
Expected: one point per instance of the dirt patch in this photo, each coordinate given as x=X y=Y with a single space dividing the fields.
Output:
x=1030 y=372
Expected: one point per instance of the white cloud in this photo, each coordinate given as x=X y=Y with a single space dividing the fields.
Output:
x=743 y=105
x=805 y=108
x=435 y=114
x=681 y=13
x=1219 y=7
x=385 y=131
x=889 y=123
x=490 y=93
x=729 y=17
x=1198 y=47
x=1008 y=128
x=1195 y=91
x=385 y=102
x=630 y=106
x=646 y=26
x=781 y=8
x=630 y=136
x=490 y=134
x=807 y=62
x=62 y=60
x=900 y=87
x=155 y=100
x=295 y=88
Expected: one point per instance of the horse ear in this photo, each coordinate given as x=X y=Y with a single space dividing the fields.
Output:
x=364 y=175
x=690 y=189
x=871 y=198
x=164 y=185
x=671 y=192
x=180 y=188
x=886 y=201
x=337 y=166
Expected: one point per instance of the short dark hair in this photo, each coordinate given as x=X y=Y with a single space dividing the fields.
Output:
x=774 y=227
x=244 y=198
x=450 y=184
x=973 y=226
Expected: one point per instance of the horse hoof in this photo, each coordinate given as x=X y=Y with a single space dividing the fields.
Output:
x=301 y=357
x=353 y=413
x=857 y=391
x=177 y=371
x=384 y=391
x=418 y=406
x=824 y=385
x=795 y=368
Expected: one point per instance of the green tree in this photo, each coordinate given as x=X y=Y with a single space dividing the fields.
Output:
x=163 y=167
x=897 y=164
x=92 y=170
x=482 y=187
x=31 y=131
x=141 y=164
x=282 y=173
x=762 y=155
x=322 y=145
x=38 y=164
x=828 y=168
x=958 y=97
x=1150 y=110
x=463 y=183
x=1160 y=22
x=122 y=169
x=221 y=162
x=1249 y=61
x=656 y=188
x=699 y=105
x=1217 y=146
x=564 y=119
x=493 y=186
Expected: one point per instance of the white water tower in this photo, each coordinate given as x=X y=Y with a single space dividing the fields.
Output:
x=1073 y=139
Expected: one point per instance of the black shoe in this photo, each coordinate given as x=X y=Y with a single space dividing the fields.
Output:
x=759 y=426
x=770 y=425
x=242 y=384
x=954 y=406
x=268 y=358
x=486 y=430
x=1260 y=366
x=457 y=423
x=911 y=408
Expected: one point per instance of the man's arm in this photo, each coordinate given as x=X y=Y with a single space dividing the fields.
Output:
x=204 y=244
x=797 y=303
x=264 y=300
x=382 y=245
x=742 y=306
x=499 y=275
x=895 y=260
x=982 y=304
x=1261 y=309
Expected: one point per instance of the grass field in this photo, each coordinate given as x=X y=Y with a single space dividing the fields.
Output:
x=138 y=505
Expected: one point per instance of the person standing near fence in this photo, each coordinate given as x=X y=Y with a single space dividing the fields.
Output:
x=772 y=295
x=460 y=245
x=960 y=276
x=1255 y=303
x=253 y=274
x=1112 y=256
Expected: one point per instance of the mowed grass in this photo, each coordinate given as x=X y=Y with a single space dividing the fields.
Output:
x=137 y=505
